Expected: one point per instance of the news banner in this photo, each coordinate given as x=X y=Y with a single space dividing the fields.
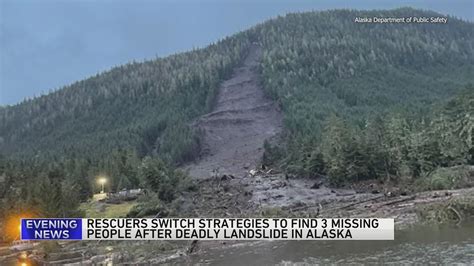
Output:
x=208 y=229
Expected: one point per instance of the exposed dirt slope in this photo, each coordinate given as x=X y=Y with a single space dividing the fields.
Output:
x=234 y=132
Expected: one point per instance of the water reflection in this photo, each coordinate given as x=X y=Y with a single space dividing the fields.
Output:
x=437 y=245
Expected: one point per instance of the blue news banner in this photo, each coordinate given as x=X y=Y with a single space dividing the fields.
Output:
x=207 y=229
x=51 y=229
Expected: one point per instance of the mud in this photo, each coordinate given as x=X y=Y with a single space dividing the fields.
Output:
x=234 y=132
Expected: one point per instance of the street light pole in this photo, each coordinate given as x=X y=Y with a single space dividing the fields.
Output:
x=102 y=181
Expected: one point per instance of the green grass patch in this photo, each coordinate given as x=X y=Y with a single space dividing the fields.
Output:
x=94 y=209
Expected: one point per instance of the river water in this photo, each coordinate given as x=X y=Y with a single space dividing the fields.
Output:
x=422 y=245
x=444 y=245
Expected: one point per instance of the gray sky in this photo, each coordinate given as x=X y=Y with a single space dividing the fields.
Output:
x=46 y=44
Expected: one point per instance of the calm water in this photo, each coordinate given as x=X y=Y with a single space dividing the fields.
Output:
x=435 y=245
x=423 y=245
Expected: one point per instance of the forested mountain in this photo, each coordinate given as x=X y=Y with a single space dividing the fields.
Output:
x=318 y=63
x=321 y=64
x=359 y=101
x=144 y=106
x=314 y=64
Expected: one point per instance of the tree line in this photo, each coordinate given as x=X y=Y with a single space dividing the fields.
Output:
x=388 y=147
x=358 y=100
x=57 y=188
x=346 y=83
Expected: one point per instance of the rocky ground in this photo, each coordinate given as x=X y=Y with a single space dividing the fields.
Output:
x=275 y=195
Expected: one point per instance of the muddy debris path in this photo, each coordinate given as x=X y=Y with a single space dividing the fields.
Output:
x=235 y=131
x=234 y=134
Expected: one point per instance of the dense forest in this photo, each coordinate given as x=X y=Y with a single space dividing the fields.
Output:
x=331 y=75
x=145 y=106
x=392 y=146
x=359 y=101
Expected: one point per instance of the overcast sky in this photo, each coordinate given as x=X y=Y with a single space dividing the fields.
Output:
x=46 y=44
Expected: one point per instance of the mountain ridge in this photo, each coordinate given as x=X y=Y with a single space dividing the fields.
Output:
x=306 y=56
